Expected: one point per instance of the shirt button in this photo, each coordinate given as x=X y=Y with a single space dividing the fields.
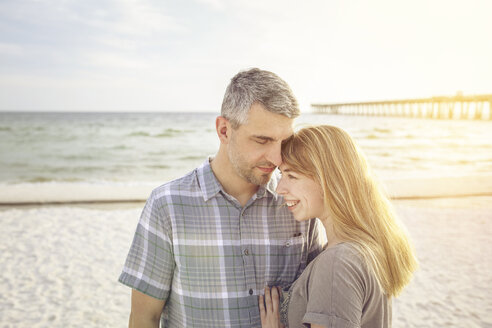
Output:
x=250 y=292
x=246 y=252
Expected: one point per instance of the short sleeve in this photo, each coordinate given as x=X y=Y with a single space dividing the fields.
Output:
x=336 y=290
x=150 y=262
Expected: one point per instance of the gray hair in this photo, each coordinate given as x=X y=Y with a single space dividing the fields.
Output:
x=257 y=86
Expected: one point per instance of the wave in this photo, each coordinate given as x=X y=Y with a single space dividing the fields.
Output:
x=468 y=145
x=386 y=136
x=170 y=132
x=167 y=133
x=139 y=134
x=46 y=179
x=380 y=130
x=78 y=157
x=120 y=147
x=192 y=157
x=76 y=169
x=159 y=166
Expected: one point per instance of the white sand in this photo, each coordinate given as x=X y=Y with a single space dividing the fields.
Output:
x=453 y=285
x=59 y=265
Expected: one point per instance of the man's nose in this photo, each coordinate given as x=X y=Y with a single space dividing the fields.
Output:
x=274 y=155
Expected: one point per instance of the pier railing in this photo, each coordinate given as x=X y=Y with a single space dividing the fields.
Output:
x=478 y=107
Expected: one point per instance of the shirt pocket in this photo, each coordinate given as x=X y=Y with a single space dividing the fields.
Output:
x=286 y=260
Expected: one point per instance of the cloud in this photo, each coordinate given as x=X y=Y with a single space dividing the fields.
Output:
x=11 y=49
x=133 y=18
x=326 y=50
x=113 y=60
x=214 y=4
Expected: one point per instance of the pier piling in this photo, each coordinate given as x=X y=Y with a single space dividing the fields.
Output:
x=477 y=107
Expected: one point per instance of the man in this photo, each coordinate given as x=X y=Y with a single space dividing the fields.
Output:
x=208 y=243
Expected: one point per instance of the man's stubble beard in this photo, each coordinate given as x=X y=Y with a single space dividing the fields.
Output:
x=241 y=166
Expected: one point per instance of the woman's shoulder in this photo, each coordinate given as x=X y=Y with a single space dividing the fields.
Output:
x=341 y=288
x=342 y=253
x=340 y=261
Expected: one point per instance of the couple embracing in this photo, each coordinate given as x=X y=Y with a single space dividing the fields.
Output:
x=235 y=243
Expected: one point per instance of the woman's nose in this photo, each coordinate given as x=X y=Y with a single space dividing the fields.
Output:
x=281 y=187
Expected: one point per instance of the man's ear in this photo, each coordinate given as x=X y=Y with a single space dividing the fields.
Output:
x=223 y=127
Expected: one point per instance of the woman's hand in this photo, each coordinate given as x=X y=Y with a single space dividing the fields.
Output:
x=269 y=308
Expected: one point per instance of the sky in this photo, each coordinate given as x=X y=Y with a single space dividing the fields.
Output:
x=145 y=55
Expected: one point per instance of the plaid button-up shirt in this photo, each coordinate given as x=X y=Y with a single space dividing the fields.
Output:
x=210 y=258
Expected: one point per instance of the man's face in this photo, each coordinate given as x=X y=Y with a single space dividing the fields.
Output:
x=254 y=148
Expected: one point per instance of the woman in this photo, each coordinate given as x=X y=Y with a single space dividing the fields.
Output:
x=368 y=258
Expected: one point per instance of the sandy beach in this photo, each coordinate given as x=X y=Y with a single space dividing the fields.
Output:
x=60 y=264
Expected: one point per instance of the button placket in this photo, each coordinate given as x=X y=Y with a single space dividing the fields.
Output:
x=247 y=253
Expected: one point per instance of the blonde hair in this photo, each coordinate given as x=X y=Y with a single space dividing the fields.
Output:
x=360 y=211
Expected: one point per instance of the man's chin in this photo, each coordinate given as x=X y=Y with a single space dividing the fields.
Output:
x=263 y=179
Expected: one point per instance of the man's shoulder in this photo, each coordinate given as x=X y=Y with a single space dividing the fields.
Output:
x=186 y=184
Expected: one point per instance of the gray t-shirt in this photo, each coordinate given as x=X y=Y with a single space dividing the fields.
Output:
x=337 y=290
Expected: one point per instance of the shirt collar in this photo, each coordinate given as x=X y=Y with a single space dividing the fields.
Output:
x=210 y=186
x=270 y=187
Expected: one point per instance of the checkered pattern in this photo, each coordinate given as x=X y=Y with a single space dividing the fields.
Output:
x=210 y=258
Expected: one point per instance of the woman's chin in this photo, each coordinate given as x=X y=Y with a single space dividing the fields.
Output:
x=300 y=218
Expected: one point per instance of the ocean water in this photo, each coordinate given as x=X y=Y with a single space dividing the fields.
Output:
x=102 y=147
x=152 y=148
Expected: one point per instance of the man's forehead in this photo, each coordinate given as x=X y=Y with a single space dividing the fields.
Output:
x=277 y=130
x=266 y=124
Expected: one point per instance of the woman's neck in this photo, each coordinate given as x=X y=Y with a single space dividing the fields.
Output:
x=330 y=233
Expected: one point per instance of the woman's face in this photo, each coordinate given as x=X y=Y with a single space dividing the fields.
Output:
x=303 y=196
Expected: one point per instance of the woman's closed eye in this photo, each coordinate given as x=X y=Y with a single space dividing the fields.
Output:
x=288 y=175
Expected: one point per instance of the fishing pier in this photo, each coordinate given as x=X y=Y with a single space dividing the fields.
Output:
x=477 y=107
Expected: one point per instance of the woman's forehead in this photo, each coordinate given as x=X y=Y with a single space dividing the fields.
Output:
x=284 y=167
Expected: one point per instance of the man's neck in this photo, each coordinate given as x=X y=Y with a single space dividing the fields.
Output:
x=232 y=183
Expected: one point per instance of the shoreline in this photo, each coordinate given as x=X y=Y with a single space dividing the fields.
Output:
x=463 y=202
x=119 y=204
x=40 y=194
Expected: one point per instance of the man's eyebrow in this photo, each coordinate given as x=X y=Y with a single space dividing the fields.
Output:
x=263 y=138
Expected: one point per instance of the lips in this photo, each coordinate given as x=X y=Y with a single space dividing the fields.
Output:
x=291 y=203
x=266 y=169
